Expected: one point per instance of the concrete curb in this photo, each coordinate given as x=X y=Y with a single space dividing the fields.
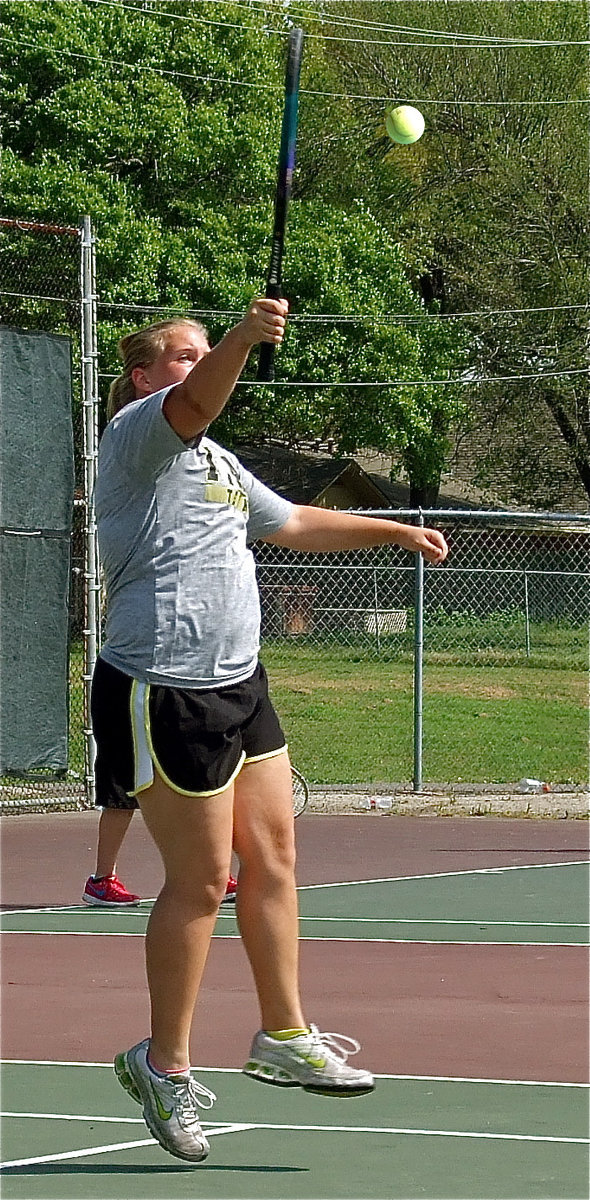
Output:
x=450 y=802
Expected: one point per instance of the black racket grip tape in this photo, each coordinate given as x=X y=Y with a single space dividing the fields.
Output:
x=266 y=363
x=266 y=355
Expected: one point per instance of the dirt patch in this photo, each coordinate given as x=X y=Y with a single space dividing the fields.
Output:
x=350 y=686
x=481 y=691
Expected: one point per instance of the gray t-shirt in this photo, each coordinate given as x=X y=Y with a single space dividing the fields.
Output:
x=174 y=520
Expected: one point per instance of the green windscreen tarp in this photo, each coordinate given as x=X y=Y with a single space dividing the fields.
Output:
x=36 y=502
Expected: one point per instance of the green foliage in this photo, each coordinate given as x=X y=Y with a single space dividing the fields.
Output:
x=163 y=126
x=493 y=201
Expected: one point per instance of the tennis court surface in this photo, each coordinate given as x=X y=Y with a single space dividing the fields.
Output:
x=454 y=950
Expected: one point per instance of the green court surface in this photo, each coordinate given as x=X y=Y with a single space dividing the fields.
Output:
x=513 y=905
x=69 y=1131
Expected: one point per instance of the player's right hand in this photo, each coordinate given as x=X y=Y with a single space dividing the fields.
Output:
x=433 y=545
x=265 y=321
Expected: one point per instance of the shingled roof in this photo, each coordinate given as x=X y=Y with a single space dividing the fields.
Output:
x=304 y=476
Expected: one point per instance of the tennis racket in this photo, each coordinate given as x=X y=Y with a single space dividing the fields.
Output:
x=300 y=792
x=283 y=191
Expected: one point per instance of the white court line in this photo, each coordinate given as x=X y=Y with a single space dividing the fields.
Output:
x=450 y=921
x=235 y=937
x=230 y=916
x=212 y=1126
x=71 y=933
x=309 y=887
x=134 y=910
x=341 y=920
x=88 y=1153
x=47 y=1158
x=52 y=1062
x=74 y=1117
x=454 y=1133
x=348 y=1129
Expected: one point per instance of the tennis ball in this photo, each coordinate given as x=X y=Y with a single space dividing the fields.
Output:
x=404 y=124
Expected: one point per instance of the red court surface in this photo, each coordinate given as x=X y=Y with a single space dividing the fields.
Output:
x=445 y=1009
x=46 y=859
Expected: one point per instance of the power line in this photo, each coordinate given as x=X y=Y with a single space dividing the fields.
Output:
x=341 y=318
x=259 y=87
x=156 y=12
x=305 y=318
x=374 y=26
x=387 y=383
x=353 y=22
x=483 y=44
x=112 y=62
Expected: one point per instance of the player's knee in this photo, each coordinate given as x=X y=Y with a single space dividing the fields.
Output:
x=197 y=893
x=273 y=858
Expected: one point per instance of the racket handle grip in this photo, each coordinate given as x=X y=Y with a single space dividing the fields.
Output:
x=266 y=364
x=266 y=355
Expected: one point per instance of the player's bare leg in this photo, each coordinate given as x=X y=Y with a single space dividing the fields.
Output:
x=266 y=905
x=112 y=827
x=285 y=1051
x=193 y=836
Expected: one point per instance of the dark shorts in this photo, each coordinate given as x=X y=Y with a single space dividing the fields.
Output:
x=197 y=740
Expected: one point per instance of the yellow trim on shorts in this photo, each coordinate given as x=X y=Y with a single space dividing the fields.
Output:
x=139 y=758
x=269 y=754
x=199 y=795
x=161 y=772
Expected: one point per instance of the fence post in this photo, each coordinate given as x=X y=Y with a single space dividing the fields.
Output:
x=89 y=358
x=376 y=607
x=418 y=661
x=527 y=622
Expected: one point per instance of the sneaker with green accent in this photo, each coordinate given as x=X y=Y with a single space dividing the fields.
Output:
x=169 y=1103
x=314 y=1061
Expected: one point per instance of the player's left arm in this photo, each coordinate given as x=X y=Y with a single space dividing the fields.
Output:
x=324 y=530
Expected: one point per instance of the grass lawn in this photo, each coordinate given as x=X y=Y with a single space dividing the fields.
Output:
x=350 y=720
x=348 y=716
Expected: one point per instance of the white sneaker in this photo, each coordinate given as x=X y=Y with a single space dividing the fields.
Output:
x=169 y=1104
x=314 y=1061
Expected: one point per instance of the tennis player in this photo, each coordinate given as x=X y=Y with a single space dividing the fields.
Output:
x=181 y=712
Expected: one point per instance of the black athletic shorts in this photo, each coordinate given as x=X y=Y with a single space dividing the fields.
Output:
x=197 y=740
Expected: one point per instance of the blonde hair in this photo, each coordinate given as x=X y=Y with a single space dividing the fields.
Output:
x=140 y=349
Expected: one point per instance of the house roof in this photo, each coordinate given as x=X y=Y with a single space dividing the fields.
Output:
x=299 y=476
x=303 y=476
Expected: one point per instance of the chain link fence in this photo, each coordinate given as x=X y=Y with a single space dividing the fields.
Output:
x=514 y=588
x=513 y=596
x=495 y=632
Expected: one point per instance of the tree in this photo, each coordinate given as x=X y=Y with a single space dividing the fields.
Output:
x=134 y=115
x=492 y=201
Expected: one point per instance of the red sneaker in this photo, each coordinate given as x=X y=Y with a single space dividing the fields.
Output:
x=108 y=892
x=230 y=891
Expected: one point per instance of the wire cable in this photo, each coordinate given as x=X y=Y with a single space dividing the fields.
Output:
x=388 y=383
x=305 y=10
x=338 y=318
x=304 y=318
x=260 y=87
x=487 y=44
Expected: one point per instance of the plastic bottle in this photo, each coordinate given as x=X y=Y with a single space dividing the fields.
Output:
x=533 y=786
